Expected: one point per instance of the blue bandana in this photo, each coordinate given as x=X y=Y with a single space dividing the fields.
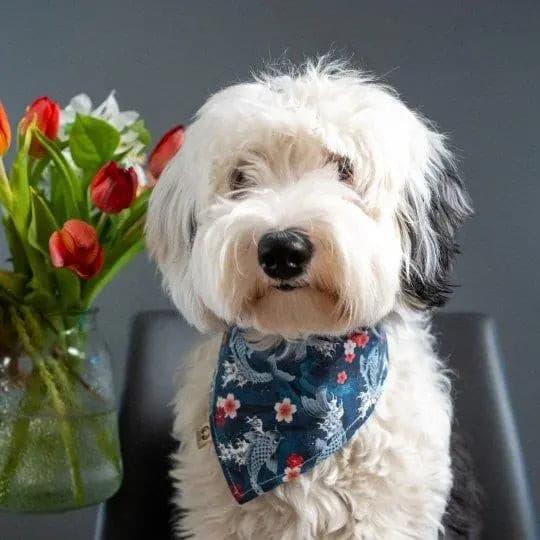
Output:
x=278 y=409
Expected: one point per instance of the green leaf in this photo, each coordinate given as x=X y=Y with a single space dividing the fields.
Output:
x=16 y=248
x=42 y=224
x=69 y=288
x=143 y=134
x=140 y=205
x=6 y=197
x=113 y=265
x=41 y=271
x=12 y=282
x=20 y=208
x=73 y=189
x=92 y=142
x=57 y=200
x=131 y=216
x=38 y=169
x=40 y=298
x=6 y=298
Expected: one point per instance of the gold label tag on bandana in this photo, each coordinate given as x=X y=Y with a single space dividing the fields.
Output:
x=203 y=436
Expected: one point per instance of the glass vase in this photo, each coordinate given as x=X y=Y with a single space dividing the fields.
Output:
x=59 y=445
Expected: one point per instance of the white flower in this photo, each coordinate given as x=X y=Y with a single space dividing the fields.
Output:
x=110 y=112
x=285 y=410
x=80 y=104
x=349 y=346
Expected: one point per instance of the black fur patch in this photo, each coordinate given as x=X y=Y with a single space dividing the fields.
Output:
x=462 y=519
x=449 y=208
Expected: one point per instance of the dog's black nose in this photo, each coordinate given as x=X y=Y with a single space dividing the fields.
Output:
x=284 y=254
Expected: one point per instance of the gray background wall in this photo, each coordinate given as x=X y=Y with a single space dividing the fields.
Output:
x=471 y=66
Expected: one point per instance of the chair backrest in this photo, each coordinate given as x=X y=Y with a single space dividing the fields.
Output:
x=141 y=509
x=484 y=416
x=160 y=341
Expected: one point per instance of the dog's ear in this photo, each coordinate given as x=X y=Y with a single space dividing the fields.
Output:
x=171 y=227
x=429 y=221
x=170 y=231
x=170 y=224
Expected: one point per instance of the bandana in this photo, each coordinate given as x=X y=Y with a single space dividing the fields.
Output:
x=279 y=408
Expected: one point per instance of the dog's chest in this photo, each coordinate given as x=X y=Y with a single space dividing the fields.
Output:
x=396 y=467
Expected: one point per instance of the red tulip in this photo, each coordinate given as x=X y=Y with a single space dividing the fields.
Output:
x=113 y=188
x=46 y=114
x=76 y=246
x=5 y=131
x=164 y=151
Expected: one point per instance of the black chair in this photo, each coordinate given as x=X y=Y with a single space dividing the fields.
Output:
x=159 y=342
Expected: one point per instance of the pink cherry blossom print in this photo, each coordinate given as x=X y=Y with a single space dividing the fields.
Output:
x=295 y=460
x=341 y=377
x=219 y=417
x=361 y=339
x=291 y=473
x=348 y=349
x=237 y=492
x=229 y=404
x=349 y=346
x=285 y=410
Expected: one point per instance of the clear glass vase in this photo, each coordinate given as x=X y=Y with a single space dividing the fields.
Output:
x=59 y=446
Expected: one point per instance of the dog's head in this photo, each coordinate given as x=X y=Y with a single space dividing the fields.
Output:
x=311 y=202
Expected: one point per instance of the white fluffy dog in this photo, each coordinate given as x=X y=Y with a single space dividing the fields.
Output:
x=327 y=153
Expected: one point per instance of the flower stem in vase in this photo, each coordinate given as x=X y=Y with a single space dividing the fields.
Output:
x=66 y=432
x=19 y=436
x=58 y=405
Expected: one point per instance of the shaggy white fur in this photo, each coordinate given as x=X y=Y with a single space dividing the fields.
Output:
x=327 y=151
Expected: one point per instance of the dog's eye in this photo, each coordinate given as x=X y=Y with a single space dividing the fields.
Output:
x=345 y=169
x=238 y=182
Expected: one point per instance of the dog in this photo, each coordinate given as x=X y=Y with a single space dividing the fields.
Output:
x=313 y=202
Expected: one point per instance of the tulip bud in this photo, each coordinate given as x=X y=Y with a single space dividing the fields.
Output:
x=45 y=113
x=76 y=246
x=5 y=131
x=114 y=188
x=164 y=151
